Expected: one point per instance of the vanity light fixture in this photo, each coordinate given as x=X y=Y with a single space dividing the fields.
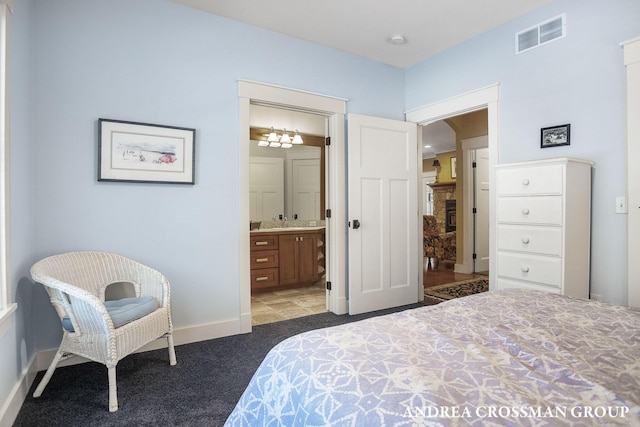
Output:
x=273 y=140
x=297 y=139
x=284 y=141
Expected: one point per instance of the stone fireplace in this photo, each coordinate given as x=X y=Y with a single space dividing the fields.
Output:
x=450 y=215
x=444 y=205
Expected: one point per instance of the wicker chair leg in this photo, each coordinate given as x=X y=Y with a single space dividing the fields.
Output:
x=172 y=351
x=113 y=390
x=48 y=374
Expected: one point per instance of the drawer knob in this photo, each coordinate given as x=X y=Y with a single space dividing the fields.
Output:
x=525 y=268
x=525 y=181
x=525 y=211
x=525 y=240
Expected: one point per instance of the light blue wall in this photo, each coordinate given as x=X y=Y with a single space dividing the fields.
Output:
x=155 y=61
x=74 y=61
x=578 y=80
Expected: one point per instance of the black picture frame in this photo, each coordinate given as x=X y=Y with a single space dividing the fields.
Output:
x=145 y=152
x=555 y=136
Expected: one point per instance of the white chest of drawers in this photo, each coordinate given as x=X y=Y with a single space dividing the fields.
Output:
x=544 y=226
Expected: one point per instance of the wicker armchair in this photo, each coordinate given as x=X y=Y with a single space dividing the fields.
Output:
x=437 y=246
x=76 y=284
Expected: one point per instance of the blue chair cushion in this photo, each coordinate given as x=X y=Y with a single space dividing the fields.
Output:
x=123 y=311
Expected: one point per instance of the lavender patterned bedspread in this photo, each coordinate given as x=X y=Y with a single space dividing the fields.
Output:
x=509 y=357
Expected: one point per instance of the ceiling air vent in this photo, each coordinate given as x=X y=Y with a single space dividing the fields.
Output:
x=545 y=32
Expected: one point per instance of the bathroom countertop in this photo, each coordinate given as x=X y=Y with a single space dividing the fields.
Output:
x=287 y=229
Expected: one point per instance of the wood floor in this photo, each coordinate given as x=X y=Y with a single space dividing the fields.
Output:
x=443 y=275
x=272 y=307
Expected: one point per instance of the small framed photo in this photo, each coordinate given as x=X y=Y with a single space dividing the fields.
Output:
x=453 y=168
x=143 y=152
x=555 y=136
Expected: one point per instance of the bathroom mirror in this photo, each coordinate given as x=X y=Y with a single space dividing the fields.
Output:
x=286 y=182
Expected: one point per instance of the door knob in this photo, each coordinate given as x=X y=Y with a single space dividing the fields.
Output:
x=356 y=224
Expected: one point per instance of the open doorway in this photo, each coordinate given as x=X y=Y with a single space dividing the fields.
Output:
x=484 y=98
x=457 y=248
x=287 y=193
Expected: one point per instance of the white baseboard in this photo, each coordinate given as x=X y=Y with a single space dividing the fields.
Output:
x=12 y=405
x=42 y=359
x=180 y=336
x=465 y=268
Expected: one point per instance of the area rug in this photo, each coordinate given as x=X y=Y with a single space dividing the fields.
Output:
x=458 y=289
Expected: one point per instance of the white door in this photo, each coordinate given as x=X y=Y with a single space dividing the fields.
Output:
x=266 y=188
x=383 y=213
x=305 y=186
x=481 y=196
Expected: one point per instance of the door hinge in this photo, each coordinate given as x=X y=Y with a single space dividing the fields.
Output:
x=327 y=141
x=328 y=286
x=327 y=214
x=474 y=210
x=474 y=256
x=474 y=164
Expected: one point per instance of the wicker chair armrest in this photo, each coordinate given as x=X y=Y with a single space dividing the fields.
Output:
x=86 y=311
x=153 y=283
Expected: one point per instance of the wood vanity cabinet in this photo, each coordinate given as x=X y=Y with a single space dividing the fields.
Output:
x=298 y=258
x=264 y=261
x=286 y=259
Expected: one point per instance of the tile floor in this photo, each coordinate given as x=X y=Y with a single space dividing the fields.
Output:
x=272 y=307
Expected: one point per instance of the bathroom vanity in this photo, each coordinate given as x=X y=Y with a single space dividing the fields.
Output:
x=288 y=257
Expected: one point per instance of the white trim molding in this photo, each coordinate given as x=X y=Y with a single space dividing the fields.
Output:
x=632 y=64
x=486 y=97
x=7 y=307
x=333 y=109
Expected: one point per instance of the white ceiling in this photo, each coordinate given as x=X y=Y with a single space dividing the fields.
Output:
x=437 y=138
x=363 y=27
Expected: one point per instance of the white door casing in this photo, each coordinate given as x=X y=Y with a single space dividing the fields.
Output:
x=487 y=97
x=334 y=109
x=383 y=205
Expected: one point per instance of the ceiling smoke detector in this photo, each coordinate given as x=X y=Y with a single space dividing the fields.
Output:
x=397 y=39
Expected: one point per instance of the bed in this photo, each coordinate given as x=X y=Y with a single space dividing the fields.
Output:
x=508 y=357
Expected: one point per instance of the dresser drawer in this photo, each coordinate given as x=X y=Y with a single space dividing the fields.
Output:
x=530 y=180
x=530 y=210
x=264 y=259
x=264 y=278
x=541 y=240
x=263 y=242
x=511 y=284
x=541 y=269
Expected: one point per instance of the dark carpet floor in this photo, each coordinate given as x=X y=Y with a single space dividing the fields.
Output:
x=201 y=390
